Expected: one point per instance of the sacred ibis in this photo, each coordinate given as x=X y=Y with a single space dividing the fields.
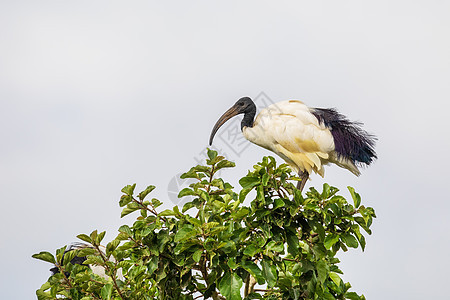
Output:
x=306 y=138
x=79 y=260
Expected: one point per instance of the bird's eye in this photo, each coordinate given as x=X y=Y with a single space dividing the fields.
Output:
x=241 y=103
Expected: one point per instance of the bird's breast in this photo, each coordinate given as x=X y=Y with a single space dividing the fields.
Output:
x=258 y=136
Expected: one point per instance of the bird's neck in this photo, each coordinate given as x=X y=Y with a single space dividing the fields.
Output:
x=249 y=116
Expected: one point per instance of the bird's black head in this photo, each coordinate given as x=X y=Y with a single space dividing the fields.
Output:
x=245 y=106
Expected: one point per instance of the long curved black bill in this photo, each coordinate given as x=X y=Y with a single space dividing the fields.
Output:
x=233 y=111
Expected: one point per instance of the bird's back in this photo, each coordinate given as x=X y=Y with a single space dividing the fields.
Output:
x=307 y=138
x=289 y=129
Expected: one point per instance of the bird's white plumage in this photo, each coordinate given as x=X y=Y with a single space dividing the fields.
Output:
x=100 y=270
x=289 y=129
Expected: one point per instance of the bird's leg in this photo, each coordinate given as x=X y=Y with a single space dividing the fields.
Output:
x=304 y=175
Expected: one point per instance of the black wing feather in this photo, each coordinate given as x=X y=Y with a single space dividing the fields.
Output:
x=350 y=140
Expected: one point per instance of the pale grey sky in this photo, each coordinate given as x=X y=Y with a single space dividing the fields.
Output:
x=99 y=94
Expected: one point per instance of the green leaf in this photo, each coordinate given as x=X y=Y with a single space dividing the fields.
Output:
x=319 y=250
x=184 y=233
x=212 y=154
x=336 y=210
x=187 y=206
x=86 y=251
x=244 y=211
x=328 y=296
x=176 y=210
x=227 y=247
x=204 y=195
x=278 y=203
x=322 y=270
x=265 y=179
x=298 y=198
x=124 y=200
x=243 y=193
x=68 y=256
x=201 y=169
x=232 y=263
x=330 y=240
x=111 y=246
x=292 y=241
x=254 y=270
x=269 y=272
x=126 y=211
x=251 y=250
x=362 y=242
x=249 y=181
x=335 y=277
x=260 y=193
x=230 y=286
x=215 y=160
x=189 y=174
x=85 y=238
x=156 y=202
x=326 y=191
x=152 y=265
x=318 y=228
x=167 y=212
x=197 y=255
x=106 y=291
x=126 y=229
x=208 y=226
x=218 y=182
x=100 y=237
x=225 y=164
x=45 y=256
x=349 y=240
x=186 y=192
x=93 y=259
x=42 y=294
x=94 y=235
x=129 y=189
x=363 y=224
x=352 y=296
x=273 y=246
x=356 y=197
x=145 y=192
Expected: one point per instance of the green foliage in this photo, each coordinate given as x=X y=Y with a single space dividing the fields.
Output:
x=283 y=245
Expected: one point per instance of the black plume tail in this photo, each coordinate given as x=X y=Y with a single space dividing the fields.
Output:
x=350 y=140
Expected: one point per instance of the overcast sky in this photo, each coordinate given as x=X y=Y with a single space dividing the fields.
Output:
x=96 y=95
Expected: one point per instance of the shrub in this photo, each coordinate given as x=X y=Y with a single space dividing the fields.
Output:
x=283 y=245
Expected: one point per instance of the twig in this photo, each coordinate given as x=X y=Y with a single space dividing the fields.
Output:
x=261 y=290
x=152 y=210
x=247 y=285
x=65 y=277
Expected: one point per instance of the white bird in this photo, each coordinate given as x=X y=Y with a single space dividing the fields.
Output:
x=306 y=138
